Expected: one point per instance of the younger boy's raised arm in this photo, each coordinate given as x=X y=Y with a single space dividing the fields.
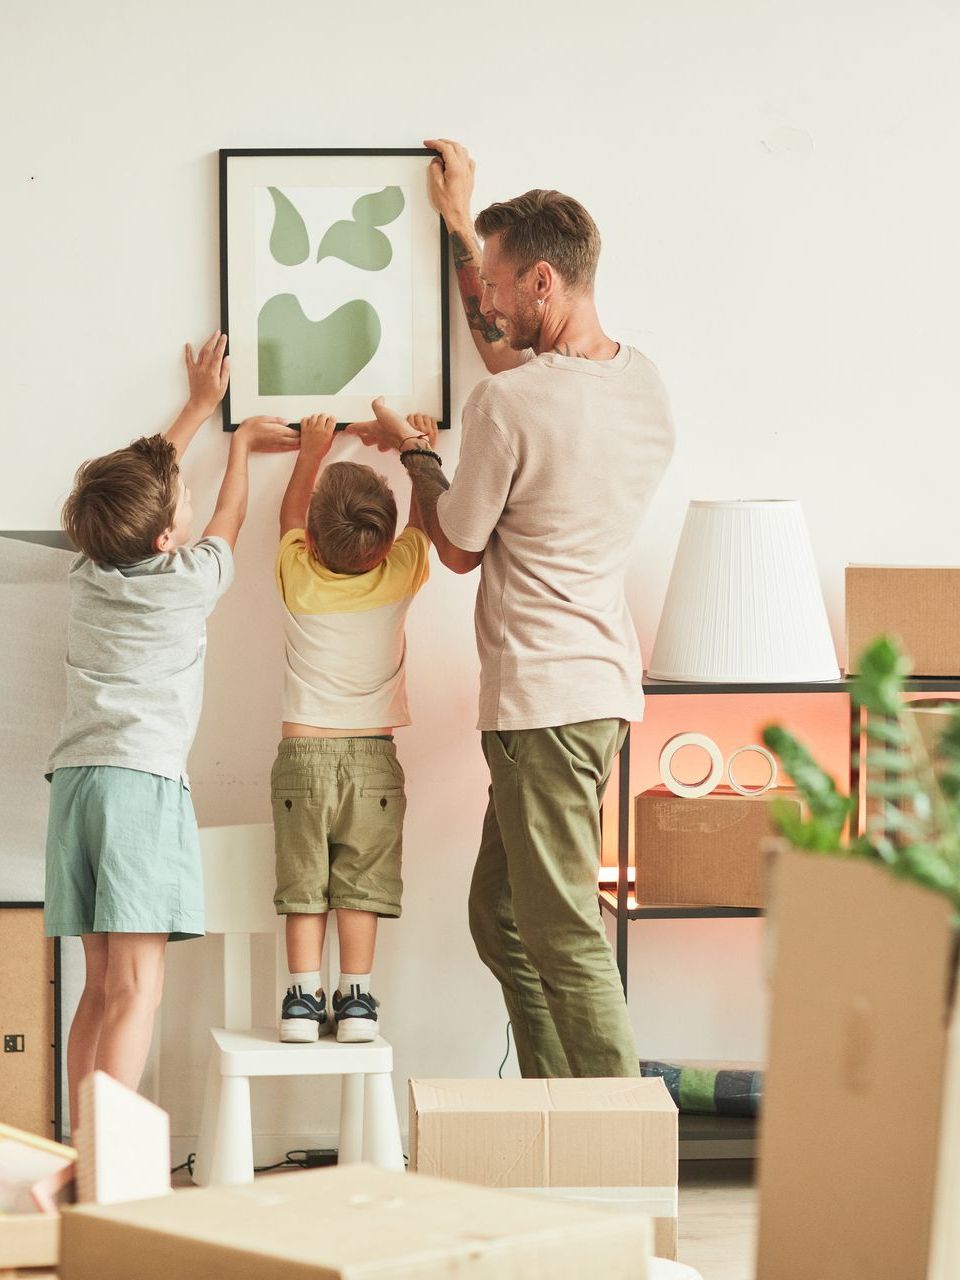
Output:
x=207 y=374
x=316 y=437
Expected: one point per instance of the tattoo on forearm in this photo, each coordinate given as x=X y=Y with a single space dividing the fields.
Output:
x=477 y=320
x=462 y=253
x=468 y=278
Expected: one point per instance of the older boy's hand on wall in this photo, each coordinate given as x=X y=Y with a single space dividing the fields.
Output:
x=208 y=373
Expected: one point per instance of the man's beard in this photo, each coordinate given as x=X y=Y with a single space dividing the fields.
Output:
x=524 y=330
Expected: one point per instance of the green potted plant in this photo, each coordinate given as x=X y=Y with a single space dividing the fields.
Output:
x=914 y=828
x=864 y=959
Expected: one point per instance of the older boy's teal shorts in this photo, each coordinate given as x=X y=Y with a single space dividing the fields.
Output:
x=123 y=855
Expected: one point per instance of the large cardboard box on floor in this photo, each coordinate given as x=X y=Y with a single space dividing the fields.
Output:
x=349 y=1223
x=705 y=852
x=863 y=970
x=611 y=1143
x=918 y=605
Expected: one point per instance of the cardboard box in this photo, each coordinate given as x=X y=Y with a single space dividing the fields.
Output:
x=36 y=1175
x=609 y=1143
x=850 y=1127
x=29 y=1240
x=349 y=1223
x=918 y=605
x=705 y=852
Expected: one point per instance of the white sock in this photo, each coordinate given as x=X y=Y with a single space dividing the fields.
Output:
x=309 y=982
x=359 y=980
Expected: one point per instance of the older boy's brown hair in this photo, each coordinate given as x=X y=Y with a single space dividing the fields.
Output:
x=352 y=519
x=545 y=226
x=121 y=503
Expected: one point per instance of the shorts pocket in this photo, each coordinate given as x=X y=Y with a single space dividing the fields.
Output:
x=384 y=794
x=291 y=793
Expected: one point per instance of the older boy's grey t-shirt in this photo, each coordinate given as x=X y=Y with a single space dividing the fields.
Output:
x=136 y=640
x=559 y=460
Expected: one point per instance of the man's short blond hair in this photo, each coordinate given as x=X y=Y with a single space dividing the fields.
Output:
x=545 y=226
x=352 y=519
x=121 y=503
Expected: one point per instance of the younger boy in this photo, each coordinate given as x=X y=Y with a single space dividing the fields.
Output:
x=336 y=785
x=123 y=865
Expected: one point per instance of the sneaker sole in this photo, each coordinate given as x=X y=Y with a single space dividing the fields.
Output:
x=301 y=1031
x=357 y=1031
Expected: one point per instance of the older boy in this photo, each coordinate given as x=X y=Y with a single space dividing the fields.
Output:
x=123 y=866
x=336 y=785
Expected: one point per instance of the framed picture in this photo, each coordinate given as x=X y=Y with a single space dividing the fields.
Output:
x=333 y=284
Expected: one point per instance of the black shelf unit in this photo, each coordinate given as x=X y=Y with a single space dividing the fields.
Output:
x=616 y=903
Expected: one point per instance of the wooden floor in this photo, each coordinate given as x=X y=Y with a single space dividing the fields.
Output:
x=718 y=1218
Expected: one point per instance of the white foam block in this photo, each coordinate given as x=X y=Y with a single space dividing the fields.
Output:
x=123 y=1147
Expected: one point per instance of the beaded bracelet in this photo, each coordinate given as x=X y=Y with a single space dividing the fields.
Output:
x=421 y=453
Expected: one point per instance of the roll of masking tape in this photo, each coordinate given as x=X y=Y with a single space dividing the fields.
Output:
x=691 y=790
x=753 y=791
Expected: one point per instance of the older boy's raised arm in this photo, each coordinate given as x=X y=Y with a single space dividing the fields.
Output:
x=207 y=374
x=316 y=437
x=254 y=435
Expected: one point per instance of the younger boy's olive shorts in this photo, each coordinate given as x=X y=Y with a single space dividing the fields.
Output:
x=123 y=855
x=338 y=806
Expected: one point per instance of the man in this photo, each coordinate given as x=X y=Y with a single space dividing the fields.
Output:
x=560 y=455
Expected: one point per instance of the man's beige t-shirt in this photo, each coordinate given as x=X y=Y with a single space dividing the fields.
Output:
x=559 y=460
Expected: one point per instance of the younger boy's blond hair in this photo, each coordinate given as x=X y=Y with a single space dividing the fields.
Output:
x=121 y=503
x=352 y=518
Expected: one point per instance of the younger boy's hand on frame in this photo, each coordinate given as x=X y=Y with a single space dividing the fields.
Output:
x=208 y=373
x=316 y=435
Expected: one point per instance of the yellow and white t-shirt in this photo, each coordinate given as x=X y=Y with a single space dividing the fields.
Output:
x=344 y=635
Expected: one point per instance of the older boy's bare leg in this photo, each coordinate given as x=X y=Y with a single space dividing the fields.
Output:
x=87 y=1021
x=305 y=934
x=132 y=990
x=357 y=931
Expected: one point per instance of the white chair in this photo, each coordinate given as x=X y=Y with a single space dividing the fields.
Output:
x=238 y=874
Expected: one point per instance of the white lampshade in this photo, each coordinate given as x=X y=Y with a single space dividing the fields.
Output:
x=744 y=602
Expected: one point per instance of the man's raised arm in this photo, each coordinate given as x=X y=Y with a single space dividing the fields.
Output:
x=451 y=187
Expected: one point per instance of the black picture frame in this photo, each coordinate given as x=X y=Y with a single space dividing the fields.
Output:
x=228 y=153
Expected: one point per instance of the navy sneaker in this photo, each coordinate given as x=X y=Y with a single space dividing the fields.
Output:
x=356 y=1016
x=303 y=1016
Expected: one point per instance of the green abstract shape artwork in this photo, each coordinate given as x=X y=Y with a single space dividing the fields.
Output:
x=299 y=356
x=289 y=242
x=357 y=244
x=380 y=207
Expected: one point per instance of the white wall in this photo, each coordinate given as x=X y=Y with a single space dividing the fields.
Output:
x=776 y=188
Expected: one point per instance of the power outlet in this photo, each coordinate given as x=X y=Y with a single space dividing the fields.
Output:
x=13 y=1044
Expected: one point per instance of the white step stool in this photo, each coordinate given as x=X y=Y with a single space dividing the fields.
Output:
x=238 y=868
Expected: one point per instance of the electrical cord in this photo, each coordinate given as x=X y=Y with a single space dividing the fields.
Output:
x=506 y=1055
x=302 y=1158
